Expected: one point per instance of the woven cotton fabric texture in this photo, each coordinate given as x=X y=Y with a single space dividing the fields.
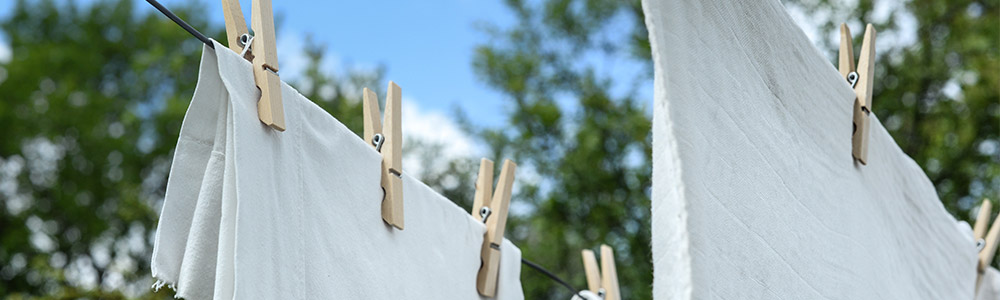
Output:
x=254 y=213
x=989 y=285
x=755 y=192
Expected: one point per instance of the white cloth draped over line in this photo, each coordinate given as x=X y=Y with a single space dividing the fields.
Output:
x=755 y=191
x=254 y=213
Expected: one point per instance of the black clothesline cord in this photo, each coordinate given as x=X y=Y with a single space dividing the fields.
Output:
x=208 y=42
x=180 y=22
x=553 y=276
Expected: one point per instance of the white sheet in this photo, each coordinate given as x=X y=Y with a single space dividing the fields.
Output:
x=755 y=192
x=253 y=213
x=989 y=287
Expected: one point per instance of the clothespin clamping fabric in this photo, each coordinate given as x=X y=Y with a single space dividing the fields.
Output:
x=492 y=210
x=986 y=241
x=861 y=80
x=389 y=142
x=604 y=281
x=262 y=52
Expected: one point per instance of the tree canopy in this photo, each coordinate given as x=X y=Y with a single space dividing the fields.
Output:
x=587 y=146
x=939 y=94
x=94 y=96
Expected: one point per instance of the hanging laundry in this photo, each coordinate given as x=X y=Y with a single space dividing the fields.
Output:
x=756 y=194
x=989 y=285
x=255 y=213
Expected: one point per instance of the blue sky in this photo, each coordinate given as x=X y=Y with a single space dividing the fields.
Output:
x=427 y=47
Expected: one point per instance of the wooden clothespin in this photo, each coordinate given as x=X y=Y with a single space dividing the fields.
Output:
x=492 y=210
x=861 y=80
x=236 y=26
x=262 y=52
x=389 y=143
x=605 y=281
x=987 y=240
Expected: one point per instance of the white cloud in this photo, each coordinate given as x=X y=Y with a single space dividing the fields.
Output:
x=433 y=127
x=422 y=126
x=292 y=59
x=805 y=22
x=904 y=35
x=5 y=52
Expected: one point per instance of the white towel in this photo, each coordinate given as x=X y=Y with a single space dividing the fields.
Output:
x=989 y=285
x=254 y=213
x=755 y=192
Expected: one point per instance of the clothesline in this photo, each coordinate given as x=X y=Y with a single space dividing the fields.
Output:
x=181 y=22
x=551 y=275
x=197 y=34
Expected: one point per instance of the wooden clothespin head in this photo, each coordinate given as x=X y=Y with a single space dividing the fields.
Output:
x=262 y=51
x=985 y=241
x=387 y=140
x=492 y=210
x=603 y=282
x=861 y=80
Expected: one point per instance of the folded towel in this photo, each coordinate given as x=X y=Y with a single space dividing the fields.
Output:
x=755 y=191
x=254 y=213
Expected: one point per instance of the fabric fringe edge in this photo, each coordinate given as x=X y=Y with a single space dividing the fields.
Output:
x=160 y=283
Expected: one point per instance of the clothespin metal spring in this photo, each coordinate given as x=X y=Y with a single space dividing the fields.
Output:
x=377 y=140
x=245 y=41
x=485 y=212
x=852 y=78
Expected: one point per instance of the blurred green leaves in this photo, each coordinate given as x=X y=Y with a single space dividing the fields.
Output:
x=91 y=109
x=583 y=147
x=93 y=100
x=93 y=97
x=937 y=94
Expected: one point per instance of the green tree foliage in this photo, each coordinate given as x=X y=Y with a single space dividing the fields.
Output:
x=93 y=101
x=938 y=95
x=340 y=96
x=583 y=149
x=94 y=95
